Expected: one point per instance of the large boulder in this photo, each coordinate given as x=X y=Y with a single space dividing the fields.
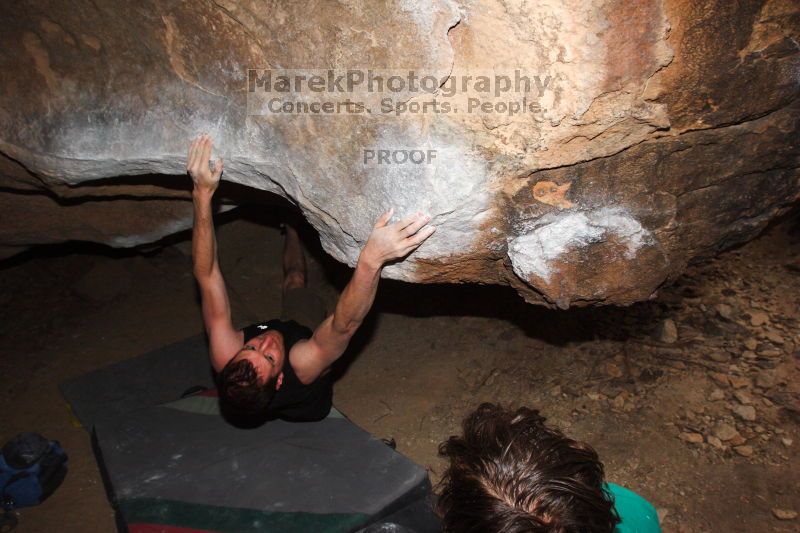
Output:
x=653 y=133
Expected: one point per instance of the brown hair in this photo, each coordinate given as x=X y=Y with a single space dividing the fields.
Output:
x=240 y=391
x=510 y=473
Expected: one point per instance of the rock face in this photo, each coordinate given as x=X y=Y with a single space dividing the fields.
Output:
x=651 y=132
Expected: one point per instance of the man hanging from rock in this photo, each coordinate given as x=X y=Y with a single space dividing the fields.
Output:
x=279 y=368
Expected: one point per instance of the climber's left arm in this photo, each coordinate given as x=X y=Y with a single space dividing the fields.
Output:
x=387 y=242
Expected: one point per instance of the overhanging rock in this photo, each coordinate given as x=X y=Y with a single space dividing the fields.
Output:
x=652 y=133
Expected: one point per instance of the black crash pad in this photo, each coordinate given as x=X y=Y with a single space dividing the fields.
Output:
x=153 y=378
x=183 y=466
x=177 y=466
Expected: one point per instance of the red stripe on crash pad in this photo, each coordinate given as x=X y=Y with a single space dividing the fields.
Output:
x=162 y=528
x=210 y=392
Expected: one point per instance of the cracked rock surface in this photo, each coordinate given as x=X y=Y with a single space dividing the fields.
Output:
x=664 y=130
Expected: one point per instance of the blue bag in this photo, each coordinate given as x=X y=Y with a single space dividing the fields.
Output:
x=31 y=469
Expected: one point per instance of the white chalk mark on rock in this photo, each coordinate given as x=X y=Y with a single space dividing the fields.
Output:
x=533 y=252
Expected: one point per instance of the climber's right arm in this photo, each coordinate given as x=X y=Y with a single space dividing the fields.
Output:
x=224 y=340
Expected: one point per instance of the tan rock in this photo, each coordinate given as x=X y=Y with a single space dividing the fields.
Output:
x=667 y=332
x=716 y=395
x=765 y=379
x=725 y=311
x=720 y=378
x=613 y=370
x=774 y=336
x=737 y=440
x=739 y=382
x=770 y=352
x=743 y=397
x=720 y=357
x=724 y=432
x=784 y=514
x=745 y=412
x=744 y=451
x=758 y=318
x=618 y=402
x=692 y=438
x=697 y=408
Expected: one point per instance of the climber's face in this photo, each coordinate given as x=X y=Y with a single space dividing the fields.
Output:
x=267 y=354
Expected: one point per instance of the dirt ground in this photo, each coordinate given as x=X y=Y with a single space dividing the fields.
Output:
x=701 y=419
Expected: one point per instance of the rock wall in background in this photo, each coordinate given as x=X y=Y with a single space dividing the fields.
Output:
x=665 y=130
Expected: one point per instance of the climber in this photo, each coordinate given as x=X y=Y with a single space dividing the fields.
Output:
x=279 y=368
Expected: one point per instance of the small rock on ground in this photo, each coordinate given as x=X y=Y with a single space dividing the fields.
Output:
x=784 y=514
x=765 y=380
x=743 y=397
x=725 y=311
x=744 y=451
x=737 y=440
x=720 y=378
x=758 y=318
x=724 y=432
x=738 y=382
x=693 y=438
x=745 y=412
x=719 y=357
x=667 y=332
x=775 y=337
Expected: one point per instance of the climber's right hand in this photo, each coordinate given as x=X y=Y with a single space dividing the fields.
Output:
x=204 y=177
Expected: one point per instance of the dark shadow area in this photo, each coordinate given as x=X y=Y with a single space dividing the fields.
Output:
x=176 y=182
x=51 y=251
x=556 y=327
x=158 y=187
x=788 y=221
x=491 y=301
x=250 y=200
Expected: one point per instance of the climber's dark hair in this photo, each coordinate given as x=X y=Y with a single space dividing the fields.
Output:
x=240 y=391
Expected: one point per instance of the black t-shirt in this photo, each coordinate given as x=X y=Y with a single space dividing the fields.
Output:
x=294 y=400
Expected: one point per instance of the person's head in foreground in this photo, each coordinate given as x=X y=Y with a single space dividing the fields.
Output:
x=510 y=473
x=249 y=380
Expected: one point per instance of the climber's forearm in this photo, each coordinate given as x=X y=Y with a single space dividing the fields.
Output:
x=204 y=243
x=357 y=297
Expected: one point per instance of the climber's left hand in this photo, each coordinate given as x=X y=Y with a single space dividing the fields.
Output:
x=388 y=242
